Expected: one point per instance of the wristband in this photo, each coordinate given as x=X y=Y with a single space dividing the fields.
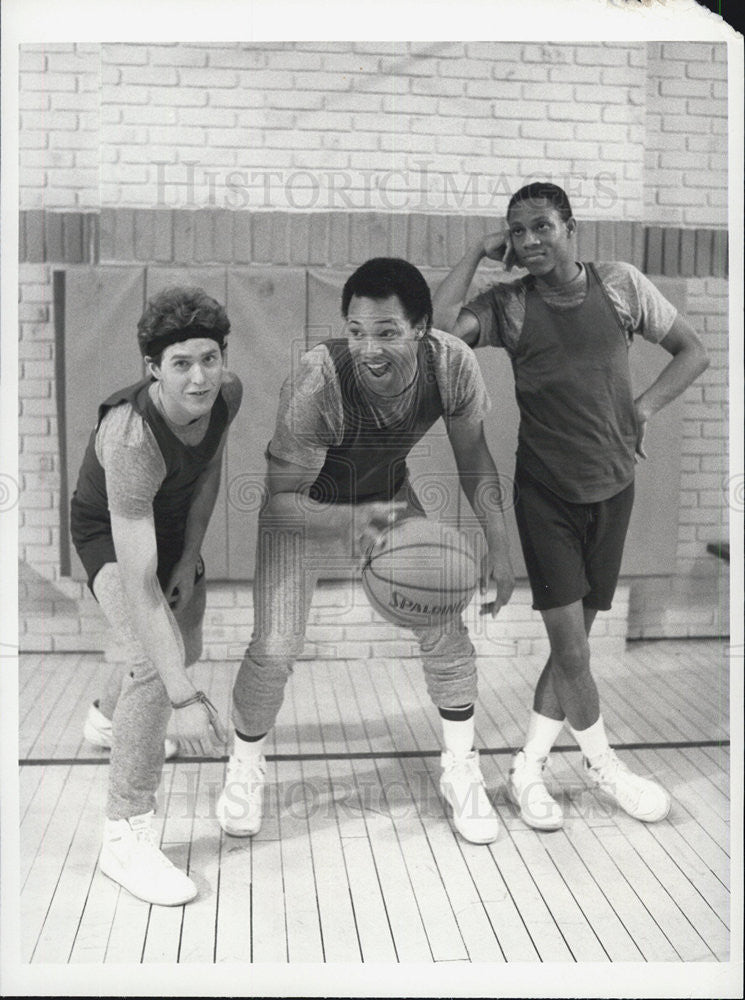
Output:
x=197 y=697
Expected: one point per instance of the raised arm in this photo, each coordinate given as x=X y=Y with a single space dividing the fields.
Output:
x=480 y=482
x=450 y=297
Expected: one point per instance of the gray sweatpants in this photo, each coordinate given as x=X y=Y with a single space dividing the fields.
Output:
x=288 y=564
x=142 y=709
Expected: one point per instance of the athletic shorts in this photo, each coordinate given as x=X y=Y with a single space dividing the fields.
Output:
x=572 y=550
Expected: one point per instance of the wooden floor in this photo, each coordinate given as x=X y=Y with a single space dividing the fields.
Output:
x=356 y=861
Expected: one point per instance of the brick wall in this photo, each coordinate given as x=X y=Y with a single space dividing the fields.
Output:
x=108 y=128
x=60 y=116
x=685 y=175
x=695 y=602
x=438 y=126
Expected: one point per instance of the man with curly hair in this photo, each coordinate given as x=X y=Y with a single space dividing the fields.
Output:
x=145 y=494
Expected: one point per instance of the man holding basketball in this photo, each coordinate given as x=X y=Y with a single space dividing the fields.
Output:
x=567 y=327
x=337 y=475
x=145 y=494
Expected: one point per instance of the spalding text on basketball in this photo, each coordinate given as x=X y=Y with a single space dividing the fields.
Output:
x=442 y=610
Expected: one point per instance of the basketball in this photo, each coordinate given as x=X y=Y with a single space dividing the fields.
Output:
x=423 y=573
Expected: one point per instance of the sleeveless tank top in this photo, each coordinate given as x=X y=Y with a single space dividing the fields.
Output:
x=370 y=462
x=90 y=523
x=573 y=387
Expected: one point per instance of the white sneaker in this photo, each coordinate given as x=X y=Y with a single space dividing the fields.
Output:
x=97 y=730
x=241 y=803
x=462 y=787
x=130 y=856
x=527 y=790
x=639 y=797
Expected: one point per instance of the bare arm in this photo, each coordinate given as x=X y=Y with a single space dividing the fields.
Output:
x=450 y=297
x=480 y=481
x=689 y=360
x=137 y=556
x=289 y=506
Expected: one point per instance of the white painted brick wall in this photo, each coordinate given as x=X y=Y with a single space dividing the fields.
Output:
x=288 y=107
x=686 y=142
x=328 y=108
x=59 y=94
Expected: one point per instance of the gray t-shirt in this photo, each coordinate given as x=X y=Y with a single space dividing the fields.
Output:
x=641 y=308
x=130 y=456
x=310 y=417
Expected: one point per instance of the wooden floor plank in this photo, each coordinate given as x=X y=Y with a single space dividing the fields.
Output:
x=164 y=928
x=339 y=937
x=260 y=859
x=58 y=934
x=659 y=896
x=547 y=939
x=304 y=943
x=371 y=917
x=28 y=671
x=578 y=934
x=691 y=787
x=342 y=684
x=129 y=930
x=702 y=670
x=633 y=914
x=508 y=936
x=383 y=799
x=487 y=918
x=361 y=783
x=130 y=927
x=94 y=929
x=655 y=897
x=59 y=734
x=328 y=717
x=49 y=859
x=697 y=911
x=39 y=814
x=591 y=899
x=369 y=816
x=29 y=779
x=37 y=706
x=469 y=909
x=442 y=932
x=200 y=916
x=698 y=758
x=240 y=924
x=694 y=718
x=356 y=860
x=33 y=678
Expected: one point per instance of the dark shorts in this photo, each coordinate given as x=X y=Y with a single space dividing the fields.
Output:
x=572 y=550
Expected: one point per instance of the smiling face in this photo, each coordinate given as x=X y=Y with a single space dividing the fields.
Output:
x=383 y=344
x=190 y=375
x=543 y=242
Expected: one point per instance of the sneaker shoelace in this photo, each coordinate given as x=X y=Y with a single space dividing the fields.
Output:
x=609 y=767
x=246 y=772
x=147 y=839
x=467 y=767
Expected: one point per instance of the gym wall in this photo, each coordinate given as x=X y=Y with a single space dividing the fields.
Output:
x=309 y=158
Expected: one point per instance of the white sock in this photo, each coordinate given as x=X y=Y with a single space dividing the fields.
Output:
x=592 y=741
x=542 y=734
x=458 y=736
x=248 y=750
